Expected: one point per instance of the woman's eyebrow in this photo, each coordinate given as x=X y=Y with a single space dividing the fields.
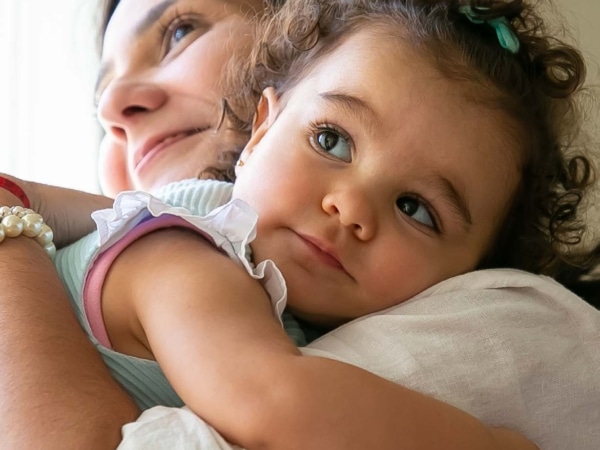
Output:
x=152 y=16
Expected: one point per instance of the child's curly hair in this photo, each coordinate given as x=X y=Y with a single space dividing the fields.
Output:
x=536 y=87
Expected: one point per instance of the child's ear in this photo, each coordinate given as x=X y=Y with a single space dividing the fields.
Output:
x=266 y=112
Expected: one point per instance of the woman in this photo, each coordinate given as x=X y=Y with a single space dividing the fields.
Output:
x=159 y=102
x=135 y=110
x=35 y=407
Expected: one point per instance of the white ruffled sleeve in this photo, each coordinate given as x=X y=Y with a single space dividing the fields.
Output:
x=230 y=227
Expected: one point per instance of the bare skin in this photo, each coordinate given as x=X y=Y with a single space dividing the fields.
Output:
x=309 y=393
x=44 y=397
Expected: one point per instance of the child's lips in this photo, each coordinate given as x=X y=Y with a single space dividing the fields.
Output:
x=324 y=252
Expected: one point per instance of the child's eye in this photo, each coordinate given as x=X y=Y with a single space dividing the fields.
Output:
x=417 y=210
x=333 y=143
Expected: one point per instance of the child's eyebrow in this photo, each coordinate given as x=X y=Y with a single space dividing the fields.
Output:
x=453 y=198
x=352 y=105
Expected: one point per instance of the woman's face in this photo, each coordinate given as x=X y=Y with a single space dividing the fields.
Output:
x=158 y=90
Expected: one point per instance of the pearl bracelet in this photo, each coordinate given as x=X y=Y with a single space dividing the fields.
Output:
x=17 y=221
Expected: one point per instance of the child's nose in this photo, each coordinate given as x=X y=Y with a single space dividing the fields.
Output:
x=123 y=103
x=354 y=211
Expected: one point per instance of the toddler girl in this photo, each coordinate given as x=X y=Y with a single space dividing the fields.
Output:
x=396 y=144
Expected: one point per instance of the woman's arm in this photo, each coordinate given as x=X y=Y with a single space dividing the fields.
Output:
x=210 y=327
x=55 y=391
x=66 y=211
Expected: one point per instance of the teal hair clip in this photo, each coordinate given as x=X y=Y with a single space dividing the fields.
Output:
x=506 y=35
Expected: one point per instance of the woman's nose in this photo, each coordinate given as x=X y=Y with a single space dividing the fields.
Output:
x=354 y=211
x=122 y=104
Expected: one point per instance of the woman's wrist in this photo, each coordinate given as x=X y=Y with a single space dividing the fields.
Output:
x=17 y=219
x=11 y=186
x=66 y=211
x=13 y=191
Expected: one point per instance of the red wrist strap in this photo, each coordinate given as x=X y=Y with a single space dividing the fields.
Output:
x=14 y=189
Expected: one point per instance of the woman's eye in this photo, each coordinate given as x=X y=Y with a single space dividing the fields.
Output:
x=178 y=32
x=334 y=144
x=416 y=210
x=178 y=29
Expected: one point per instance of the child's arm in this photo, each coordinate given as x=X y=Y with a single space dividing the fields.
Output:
x=66 y=211
x=210 y=327
x=52 y=380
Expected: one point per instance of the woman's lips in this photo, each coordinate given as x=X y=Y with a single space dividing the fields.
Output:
x=159 y=144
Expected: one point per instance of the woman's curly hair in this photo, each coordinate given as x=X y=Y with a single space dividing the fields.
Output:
x=537 y=87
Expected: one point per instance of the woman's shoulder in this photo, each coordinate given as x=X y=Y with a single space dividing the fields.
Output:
x=198 y=196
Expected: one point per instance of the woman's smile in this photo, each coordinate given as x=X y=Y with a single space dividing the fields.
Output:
x=156 y=145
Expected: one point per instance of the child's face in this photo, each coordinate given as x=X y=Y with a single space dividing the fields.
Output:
x=158 y=90
x=373 y=180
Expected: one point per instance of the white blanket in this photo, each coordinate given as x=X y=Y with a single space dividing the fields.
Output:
x=511 y=348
